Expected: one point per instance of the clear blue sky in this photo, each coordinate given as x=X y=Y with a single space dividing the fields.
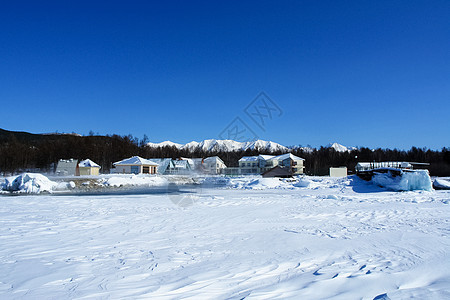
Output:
x=362 y=73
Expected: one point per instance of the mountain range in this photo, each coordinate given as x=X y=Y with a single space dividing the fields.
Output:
x=231 y=145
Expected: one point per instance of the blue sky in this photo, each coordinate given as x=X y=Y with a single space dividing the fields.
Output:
x=362 y=73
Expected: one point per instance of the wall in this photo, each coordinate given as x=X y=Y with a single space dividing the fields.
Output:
x=338 y=172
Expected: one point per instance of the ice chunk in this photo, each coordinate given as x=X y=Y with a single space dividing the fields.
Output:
x=406 y=181
x=29 y=183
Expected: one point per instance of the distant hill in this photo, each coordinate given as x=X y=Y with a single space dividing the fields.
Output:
x=23 y=136
x=20 y=135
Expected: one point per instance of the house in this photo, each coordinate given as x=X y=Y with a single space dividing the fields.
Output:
x=67 y=167
x=278 y=171
x=213 y=165
x=165 y=165
x=338 y=172
x=135 y=165
x=254 y=164
x=88 y=167
x=168 y=166
x=196 y=164
x=287 y=160
x=209 y=165
x=181 y=166
x=262 y=163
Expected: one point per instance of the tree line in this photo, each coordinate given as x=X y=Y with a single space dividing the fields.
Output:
x=21 y=152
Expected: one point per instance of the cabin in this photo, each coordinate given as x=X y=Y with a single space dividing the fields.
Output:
x=88 y=167
x=67 y=167
x=135 y=165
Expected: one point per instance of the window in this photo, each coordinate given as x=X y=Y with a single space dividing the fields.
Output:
x=146 y=170
x=135 y=169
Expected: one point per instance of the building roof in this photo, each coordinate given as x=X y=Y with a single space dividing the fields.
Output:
x=67 y=166
x=190 y=160
x=213 y=159
x=163 y=164
x=249 y=158
x=87 y=163
x=286 y=156
x=181 y=164
x=257 y=157
x=266 y=157
x=136 y=160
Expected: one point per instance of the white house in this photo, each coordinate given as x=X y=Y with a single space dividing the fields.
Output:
x=262 y=163
x=135 y=165
x=208 y=165
x=213 y=165
x=255 y=164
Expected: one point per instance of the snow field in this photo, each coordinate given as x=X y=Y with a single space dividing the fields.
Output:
x=334 y=239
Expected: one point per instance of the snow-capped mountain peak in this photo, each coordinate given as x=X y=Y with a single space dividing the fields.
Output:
x=224 y=145
x=165 y=143
x=340 y=148
x=210 y=145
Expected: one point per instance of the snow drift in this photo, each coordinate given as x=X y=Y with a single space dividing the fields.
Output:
x=441 y=184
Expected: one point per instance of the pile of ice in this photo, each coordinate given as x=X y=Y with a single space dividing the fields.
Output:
x=135 y=180
x=407 y=181
x=29 y=183
x=255 y=182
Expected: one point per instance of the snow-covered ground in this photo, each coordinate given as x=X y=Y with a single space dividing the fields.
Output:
x=252 y=238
